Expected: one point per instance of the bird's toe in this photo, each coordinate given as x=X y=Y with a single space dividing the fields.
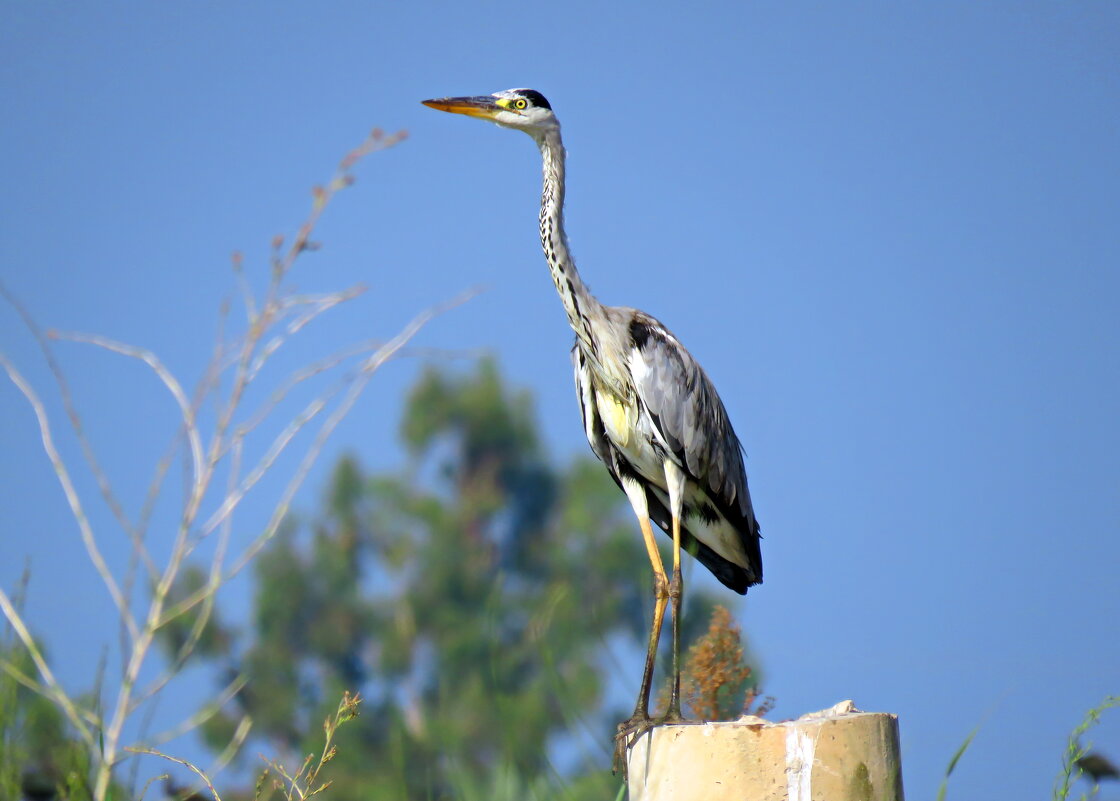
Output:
x=628 y=732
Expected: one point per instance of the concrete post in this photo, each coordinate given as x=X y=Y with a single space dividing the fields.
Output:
x=840 y=754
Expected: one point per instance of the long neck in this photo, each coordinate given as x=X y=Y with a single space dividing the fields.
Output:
x=579 y=303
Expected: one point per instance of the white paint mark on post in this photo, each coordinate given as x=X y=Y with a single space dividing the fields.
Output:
x=799 y=764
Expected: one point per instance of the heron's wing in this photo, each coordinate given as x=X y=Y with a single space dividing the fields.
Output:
x=688 y=418
x=729 y=573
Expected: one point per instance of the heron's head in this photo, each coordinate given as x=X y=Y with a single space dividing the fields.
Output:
x=524 y=109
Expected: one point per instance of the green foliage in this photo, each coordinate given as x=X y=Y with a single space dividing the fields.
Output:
x=305 y=782
x=953 y=764
x=38 y=753
x=1076 y=751
x=469 y=598
x=1077 y=755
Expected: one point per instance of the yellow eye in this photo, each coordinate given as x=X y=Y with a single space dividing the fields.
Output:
x=520 y=103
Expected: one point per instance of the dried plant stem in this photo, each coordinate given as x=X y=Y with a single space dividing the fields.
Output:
x=368 y=368
x=176 y=760
x=318 y=305
x=211 y=587
x=240 y=734
x=272 y=310
x=302 y=784
x=103 y=484
x=149 y=783
x=204 y=714
x=234 y=367
x=169 y=381
x=76 y=508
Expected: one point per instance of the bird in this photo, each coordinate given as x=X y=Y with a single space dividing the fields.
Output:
x=1098 y=767
x=650 y=414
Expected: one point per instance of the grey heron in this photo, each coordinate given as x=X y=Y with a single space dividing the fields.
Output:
x=649 y=411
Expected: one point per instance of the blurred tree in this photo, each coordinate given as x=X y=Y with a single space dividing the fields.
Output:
x=40 y=756
x=469 y=599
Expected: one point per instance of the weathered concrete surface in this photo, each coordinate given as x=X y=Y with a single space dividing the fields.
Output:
x=840 y=754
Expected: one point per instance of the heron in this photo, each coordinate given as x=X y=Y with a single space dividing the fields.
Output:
x=650 y=414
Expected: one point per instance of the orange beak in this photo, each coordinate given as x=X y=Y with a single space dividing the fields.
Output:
x=484 y=106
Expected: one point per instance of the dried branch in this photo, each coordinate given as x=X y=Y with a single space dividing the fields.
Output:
x=176 y=760
x=169 y=381
x=318 y=306
x=71 y=494
x=271 y=323
x=90 y=455
x=206 y=713
x=369 y=366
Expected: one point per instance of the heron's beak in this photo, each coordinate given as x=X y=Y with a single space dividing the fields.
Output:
x=485 y=106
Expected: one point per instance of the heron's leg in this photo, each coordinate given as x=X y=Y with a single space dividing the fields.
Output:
x=675 y=479
x=661 y=592
x=640 y=720
x=676 y=593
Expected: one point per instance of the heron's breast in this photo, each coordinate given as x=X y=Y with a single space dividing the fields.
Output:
x=623 y=425
x=618 y=418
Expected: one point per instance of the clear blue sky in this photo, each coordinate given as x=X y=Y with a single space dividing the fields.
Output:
x=890 y=232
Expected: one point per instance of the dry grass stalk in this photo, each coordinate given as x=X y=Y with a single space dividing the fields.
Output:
x=236 y=363
x=305 y=782
x=716 y=679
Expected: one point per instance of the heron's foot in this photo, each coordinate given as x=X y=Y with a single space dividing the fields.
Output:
x=629 y=731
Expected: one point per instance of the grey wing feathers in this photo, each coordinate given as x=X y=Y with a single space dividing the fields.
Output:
x=729 y=573
x=734 y=501
x=689 y=417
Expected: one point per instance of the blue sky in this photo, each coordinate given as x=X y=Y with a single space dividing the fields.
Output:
x=889 y=232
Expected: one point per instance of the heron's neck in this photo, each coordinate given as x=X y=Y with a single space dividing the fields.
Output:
x=578 y=301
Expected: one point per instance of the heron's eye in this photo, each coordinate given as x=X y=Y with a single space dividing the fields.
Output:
x=520 y=103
